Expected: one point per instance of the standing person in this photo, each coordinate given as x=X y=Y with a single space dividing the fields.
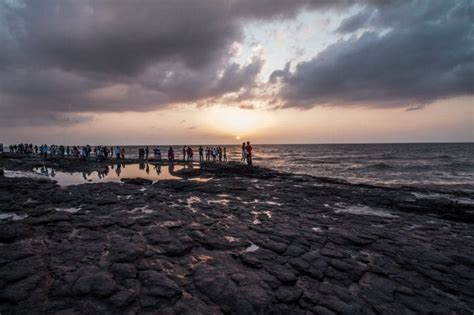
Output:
x=225 y=154
x=122 y=153
x=244 y=153
x=201 y=156
x=189 y=152
x=184 y=153
x=219 y=152
x=158 y=153
x=248 y=148
x=117 y=152
x=147 y=151
x=171 y=154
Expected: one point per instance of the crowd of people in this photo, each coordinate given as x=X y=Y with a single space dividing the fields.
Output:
x=102 y=153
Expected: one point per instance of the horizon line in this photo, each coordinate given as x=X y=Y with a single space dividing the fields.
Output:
x=263 y=144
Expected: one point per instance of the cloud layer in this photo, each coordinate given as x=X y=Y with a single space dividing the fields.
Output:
x=400 y=53
x=60 y=59
x=85 y=56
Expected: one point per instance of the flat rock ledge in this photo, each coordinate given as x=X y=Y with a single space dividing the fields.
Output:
x=248 y=241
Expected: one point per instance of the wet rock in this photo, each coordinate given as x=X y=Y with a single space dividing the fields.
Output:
x=311 y=264
x=12 y=232
x=288 y=294
x=137 y=181
x=125 y=251
x=177 y=248
x=220 y=289
x=99 y=284
x=123 y=298
x=20 y=290
x=123 y=271
x=295 y=251
x=134 y=251
x=157 y=288
x=282 y=273
x=271 y=245
x=19 y=269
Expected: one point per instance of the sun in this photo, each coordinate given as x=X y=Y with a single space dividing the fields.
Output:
x=235 y=122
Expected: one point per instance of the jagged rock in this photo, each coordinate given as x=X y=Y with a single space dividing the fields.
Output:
x=99 y=284
x=125 y=251
x=122 y=298
x=185 y=247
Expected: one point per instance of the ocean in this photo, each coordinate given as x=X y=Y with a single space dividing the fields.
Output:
x=446 y=166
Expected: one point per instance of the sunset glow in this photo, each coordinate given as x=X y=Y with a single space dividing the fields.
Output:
x=298 y=72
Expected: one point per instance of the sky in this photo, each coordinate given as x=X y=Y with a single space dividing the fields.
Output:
x=225 y=71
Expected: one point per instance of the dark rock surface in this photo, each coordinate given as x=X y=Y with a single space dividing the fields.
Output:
x=247 y=241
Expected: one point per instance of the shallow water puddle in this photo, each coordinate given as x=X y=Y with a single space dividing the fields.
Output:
x=223 y=202
x=143 y=209
x=251 y=248
x=12 y=216
x=273 y=203
x=200 y=179
x=190 y=201
x=231 y=239
x=110 y=173
x=258 y=213
x=70 y=210
x=363 y=210
x=15 y=174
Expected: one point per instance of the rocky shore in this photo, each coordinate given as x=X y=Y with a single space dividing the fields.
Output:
x=247 y=241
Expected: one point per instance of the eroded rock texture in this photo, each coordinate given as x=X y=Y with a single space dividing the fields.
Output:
x=248 y=241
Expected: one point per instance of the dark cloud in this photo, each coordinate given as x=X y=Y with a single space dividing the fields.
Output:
x=355 y=22
x=412 y=53
x=111 y=56
x=62 y=58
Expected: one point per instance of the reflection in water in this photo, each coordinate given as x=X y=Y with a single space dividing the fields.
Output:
x=158 y=169
x=141 y=170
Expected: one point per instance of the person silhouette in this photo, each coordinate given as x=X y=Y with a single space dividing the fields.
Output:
x=248 y=149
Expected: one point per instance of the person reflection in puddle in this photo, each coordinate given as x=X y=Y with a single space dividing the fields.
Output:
x=44 y=170
x=141 y=165
x=171 y=168
x=158 y=169
x=118 y=170
x=147 y=169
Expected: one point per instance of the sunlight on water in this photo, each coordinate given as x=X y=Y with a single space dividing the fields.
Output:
x=110 y=173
